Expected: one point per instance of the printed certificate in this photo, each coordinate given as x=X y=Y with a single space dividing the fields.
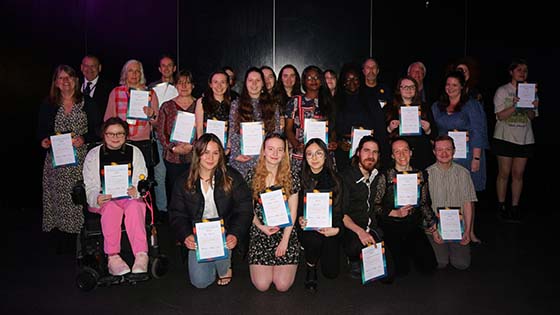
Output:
x=314 y=128
x=184 y=128
x=357 y=135
x=317 y=210
x=460 y=138
x=374 y=265
x=407 y=189
x=210 y=240
x=450 y=224
x=63 y=152
x=251 y=138
x=137 y=100
x=116 y=180
x=526 y=93
x=409 y=117
x=275 y=208
x=217 y=127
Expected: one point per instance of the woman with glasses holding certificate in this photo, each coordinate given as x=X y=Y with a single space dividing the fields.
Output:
x=111 y=175
x=63 y=131
x=254 y=104
x=273 y=246
x=413 y=120
x=320 y=213
x=210 y=192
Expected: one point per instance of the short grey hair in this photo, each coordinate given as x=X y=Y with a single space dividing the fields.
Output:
x=421 y=66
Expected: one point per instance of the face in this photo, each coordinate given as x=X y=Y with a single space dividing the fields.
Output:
x=443 y=150
x=219 y=84
x=210 y=157
x=453 y=87
x=351 y=82
x=114 y=137
x=231 y=78
x=184 y=86
x=254 y=84
x=288 y=78
x=269 y=79
x=331 y=80
x=407 y=89
x=65 y=83
x=166 y=67
x=274 y=151
x=315 y=157
x=520 y=73
x=90 y=68
x=371 y=70
x=463 y=68
x=369 y=154
x=401 y=153
x=417 y=72
x=312 y=81
x=133 y=74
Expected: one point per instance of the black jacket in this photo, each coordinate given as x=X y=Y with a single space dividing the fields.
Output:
x=356 y=194
x=235 y=207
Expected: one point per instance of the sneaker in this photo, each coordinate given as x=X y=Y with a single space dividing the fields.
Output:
x=140 y=263
x=117 y=266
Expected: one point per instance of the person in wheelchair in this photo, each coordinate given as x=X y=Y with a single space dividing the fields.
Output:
x=114 y=151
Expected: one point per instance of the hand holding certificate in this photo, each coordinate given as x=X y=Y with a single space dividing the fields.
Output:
x=251 y=138
x=317 y=210
x=460 y=138
x=450 y=224
x=136 y=102
x=407 y=190
x=315 y=129
x=63 y=152
x=210 y=241
x=373 y=263
x=184 y=128
x=116 y=180
x=409 y=121
x=275 y=209
x=526 y=93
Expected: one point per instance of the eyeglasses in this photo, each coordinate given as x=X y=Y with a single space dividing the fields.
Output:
x=310 y=78
x=319 y=154
x=407 y=87
x=115 y=135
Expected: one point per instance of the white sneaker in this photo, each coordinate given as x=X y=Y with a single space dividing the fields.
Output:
x=140 y=263
x=117 y=266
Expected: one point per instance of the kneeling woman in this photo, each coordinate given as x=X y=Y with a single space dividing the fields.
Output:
x=115 y=151
x=318 y=173
x=273 y=251
x=210 y=190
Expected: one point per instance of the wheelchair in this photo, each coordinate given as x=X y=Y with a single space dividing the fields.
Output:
x=91 y=259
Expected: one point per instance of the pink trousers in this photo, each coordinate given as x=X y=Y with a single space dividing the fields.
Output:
x=134 y=211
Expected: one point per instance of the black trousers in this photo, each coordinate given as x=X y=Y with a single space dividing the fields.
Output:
x=172 y=172
x=353 y=248
x=407 y=241
x=324 y=249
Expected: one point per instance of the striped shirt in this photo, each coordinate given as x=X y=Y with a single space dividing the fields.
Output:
x=450 y=188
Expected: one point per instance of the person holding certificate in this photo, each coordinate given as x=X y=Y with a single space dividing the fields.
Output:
x=273 y=250
x=254 y=104
x=210 y=191
x=131 y=101
x=403 y=207
x=108 y=196
x=287 y=86
x=455 y=111
x=514 y=141
x=451 y=186
x=320 y=243
x=214 y=104
x=64 y=113
x=398 y=118
x=360 y=220
x=177 y=156
x=316 y=103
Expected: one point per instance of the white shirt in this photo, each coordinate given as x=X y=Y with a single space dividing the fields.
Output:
x=92 y=87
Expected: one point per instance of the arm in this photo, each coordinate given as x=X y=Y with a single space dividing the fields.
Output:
x=92 y=180
x=364 y=236
x=467 y=219
x=111 y=110
x=283 y=245
x=199 y=118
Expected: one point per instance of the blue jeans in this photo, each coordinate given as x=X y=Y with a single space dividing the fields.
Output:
x=159 y=174
x=204 y=274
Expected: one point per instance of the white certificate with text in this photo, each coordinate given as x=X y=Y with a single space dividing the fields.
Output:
x=183 y=130
x=406 y=191
x=275 y=209
x=460 y=140
x=315 y=129
x=209 y=240
x=373 y=262
x=217 y=127
x=357 y=135
x=409 y=120
x=137 y=100
x=116 y=180
x=251 y=138
x=450 y=224
x=317 y=210
x=526 y=93
x=165 y=92
x=63 y=152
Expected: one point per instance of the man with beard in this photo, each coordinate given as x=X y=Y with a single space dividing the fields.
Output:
x=359 y=182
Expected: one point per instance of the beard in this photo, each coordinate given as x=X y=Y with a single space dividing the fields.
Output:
x=368 y=164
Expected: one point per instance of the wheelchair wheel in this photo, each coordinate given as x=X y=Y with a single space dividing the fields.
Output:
x=160 y=266
x=86 y=279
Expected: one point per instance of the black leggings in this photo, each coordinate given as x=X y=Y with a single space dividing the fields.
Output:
x=326 y=249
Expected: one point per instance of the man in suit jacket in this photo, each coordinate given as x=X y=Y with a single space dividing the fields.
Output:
x=93 y=86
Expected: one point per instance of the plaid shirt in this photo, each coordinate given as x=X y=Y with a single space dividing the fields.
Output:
x=118 y=106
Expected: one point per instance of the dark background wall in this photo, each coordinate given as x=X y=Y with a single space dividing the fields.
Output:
x=206 y=35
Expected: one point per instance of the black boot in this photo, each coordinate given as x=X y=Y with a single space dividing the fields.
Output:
x=515 y=214
x=311 y=278
x=503 y=212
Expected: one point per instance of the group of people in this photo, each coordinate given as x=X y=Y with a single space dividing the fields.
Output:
x=209 y=177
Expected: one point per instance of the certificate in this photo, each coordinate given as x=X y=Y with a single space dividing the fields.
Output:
x=317 y=210
x=217 y=127
x=450 y=224
x=314 y=128
x=63 y=152
x=183 y=130
x=116 y=180
x=275 y=208
x=373 y=263
x=251 y=138
x=409 y=117
x=357 y=135
x=407 y=191
x=137 y=100
x=165 y=91
x=460 y=138
x=526 y=93
x=210 y=241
